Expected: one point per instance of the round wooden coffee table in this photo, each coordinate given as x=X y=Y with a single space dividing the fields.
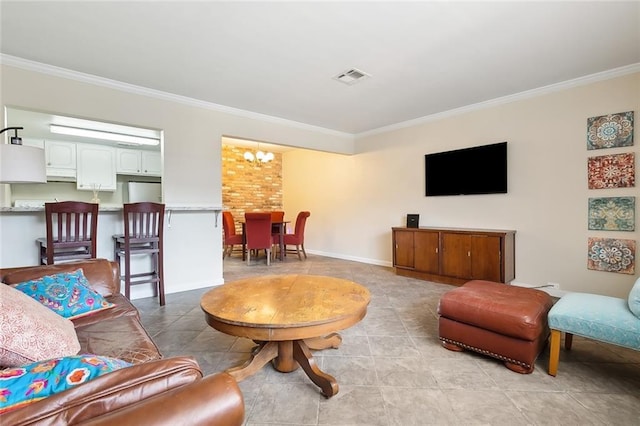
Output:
x=287 y=316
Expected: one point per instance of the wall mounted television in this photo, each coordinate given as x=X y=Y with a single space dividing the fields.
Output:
x=475 y=170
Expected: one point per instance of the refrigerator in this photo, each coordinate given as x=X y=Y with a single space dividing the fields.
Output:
x=144 y=191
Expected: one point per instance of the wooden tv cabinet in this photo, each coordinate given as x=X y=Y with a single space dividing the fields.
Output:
x=454 y=255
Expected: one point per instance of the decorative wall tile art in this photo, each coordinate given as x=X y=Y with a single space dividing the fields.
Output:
x=612 y=255
x=612 y=214
x=610 y=131
x=611 y=171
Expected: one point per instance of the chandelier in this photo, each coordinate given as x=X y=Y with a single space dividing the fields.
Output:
x=259 y=156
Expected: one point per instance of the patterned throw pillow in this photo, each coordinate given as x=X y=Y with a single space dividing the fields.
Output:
x=30 y=332
x=20 y=386
x=634 y=298
x=68 y=294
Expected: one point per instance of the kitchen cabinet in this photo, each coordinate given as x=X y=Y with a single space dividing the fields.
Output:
x=128 y=161
x=138 y=162
x=96 y=168
x=151 y=163
x=60 y=155
x=60 y=158
x=454 y=256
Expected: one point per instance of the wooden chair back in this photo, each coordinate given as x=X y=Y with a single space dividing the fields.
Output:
x=143 y=224
x=72 y=228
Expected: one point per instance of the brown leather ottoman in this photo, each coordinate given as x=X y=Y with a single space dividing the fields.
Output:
x=506 y=322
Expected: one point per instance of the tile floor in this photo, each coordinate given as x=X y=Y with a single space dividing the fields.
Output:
x=392 y=370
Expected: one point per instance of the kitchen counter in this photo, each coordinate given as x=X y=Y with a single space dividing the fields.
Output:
x=22 y=226
x=117 y=208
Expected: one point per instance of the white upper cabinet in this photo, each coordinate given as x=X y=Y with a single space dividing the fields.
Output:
x=151 y=163
x=128 y=161
x=96 y=168
x=138 y=162
x=60 y=155
x=61 y=159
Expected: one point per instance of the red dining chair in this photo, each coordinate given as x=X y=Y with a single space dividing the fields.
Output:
x=297 y=238
x=277 y=216
x=230 y=237
x=277 y=227
x=71 y=232
x=258 y=234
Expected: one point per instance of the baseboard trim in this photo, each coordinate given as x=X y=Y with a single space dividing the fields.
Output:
x=353 y=258
x=555 y=292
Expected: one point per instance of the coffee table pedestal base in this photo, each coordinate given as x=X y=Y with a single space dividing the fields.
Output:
x=287 y=356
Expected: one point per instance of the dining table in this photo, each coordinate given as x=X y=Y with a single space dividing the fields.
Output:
x=279 y=227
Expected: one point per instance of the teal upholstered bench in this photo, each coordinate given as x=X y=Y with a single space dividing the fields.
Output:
x=603 y=318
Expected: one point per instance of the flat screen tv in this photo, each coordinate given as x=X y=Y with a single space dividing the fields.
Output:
x=475 y=170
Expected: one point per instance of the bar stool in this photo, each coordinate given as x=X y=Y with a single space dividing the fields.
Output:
x=143 y=235
x=71 y=232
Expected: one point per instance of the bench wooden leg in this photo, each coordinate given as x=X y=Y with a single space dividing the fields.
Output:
x=554 y=352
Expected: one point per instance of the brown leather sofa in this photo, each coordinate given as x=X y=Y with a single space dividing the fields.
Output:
x=154 y=391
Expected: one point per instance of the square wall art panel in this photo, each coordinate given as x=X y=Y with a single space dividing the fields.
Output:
x=610 y=131
x=612 y=214
x=611 y=171
x=612 y=255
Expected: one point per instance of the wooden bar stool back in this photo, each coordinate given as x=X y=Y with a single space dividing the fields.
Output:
x=71 y=232
x=143 y=235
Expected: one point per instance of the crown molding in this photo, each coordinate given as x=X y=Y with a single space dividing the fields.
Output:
x=39 y=67
x=55 y=71
x=557 y=87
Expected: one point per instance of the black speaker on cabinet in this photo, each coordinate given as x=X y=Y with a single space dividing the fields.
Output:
x=412 y=220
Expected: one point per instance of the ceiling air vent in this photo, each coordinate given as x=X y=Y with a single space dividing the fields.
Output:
x=351 y=76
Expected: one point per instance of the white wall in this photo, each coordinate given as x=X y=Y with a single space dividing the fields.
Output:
x=191 y=156
x=354 y=201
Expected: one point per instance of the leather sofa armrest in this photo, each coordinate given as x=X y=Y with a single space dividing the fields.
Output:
x=107 y=393
x=214 y=400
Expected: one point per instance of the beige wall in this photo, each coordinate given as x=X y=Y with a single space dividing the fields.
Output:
x=191 y=159
x=355 y=200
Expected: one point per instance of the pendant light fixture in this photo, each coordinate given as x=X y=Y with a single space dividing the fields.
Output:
x=259 y=157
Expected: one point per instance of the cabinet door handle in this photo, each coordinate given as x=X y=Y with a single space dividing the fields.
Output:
x=469 y=254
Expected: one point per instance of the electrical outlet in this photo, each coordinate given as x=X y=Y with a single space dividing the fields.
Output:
x=553 y=285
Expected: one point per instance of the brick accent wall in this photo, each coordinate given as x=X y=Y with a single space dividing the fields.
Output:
x=249 y=187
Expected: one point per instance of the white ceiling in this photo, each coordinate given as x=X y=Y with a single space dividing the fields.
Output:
x=278 y=58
